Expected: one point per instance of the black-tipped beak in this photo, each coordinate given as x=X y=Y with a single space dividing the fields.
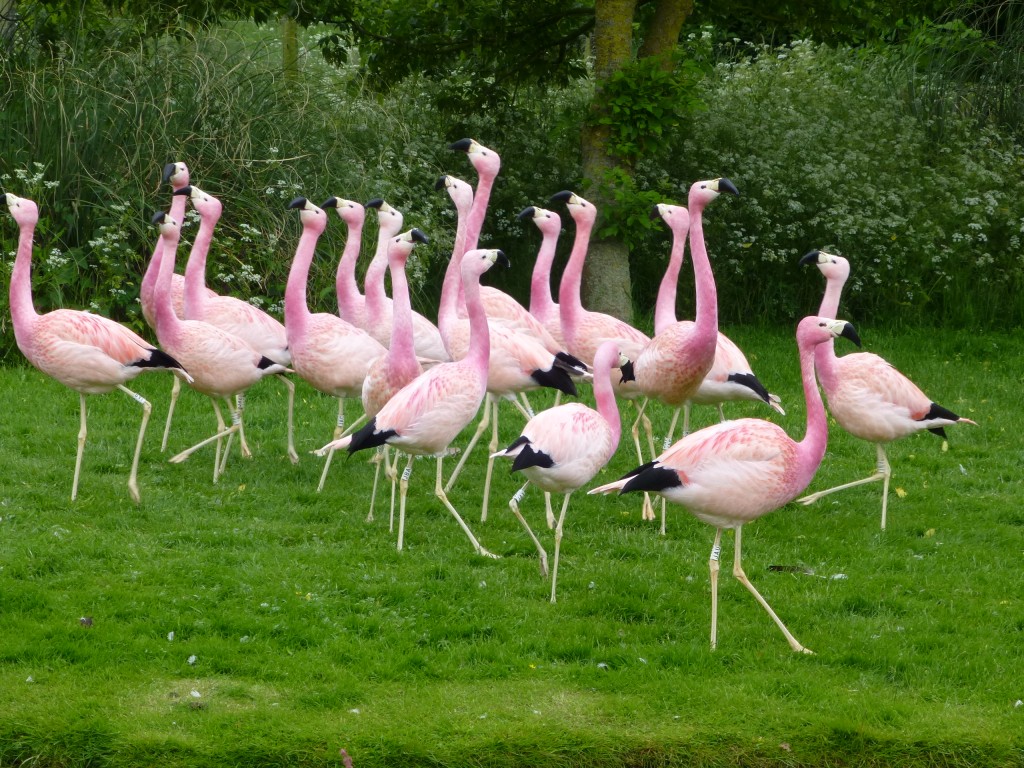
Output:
x=440 y=183
x=168 y=172
x=418 y=236
x=725 y=185
x=561 y=197
x=627 y=372
x=330 y=202
x=526 y=213
x=811 y=257
x=298 y=202
x=849 y=332
x=377 y=202
x=183 y=191
x=158 y=218
x=502 y=259
x=462 y=145
x=655 y=213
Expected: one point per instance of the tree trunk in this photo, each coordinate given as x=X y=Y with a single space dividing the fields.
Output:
x=606 y=280
x=289 y=48
x=662 y=32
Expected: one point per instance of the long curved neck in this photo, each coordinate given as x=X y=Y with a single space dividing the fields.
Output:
x=811 y=449
x=402 y=347
x=195 y=267
x=167 y=322
x=569 y=303
x=23 y=312
x=373 y=283
x=150 y=279
x=604 y=396
x=665 y=307
x=707 y=298
x=541 y=303
x=478 y=212
x=451 y=288
x=479 y=352
x=825 y=354
x=296 y=310
x=345 y=285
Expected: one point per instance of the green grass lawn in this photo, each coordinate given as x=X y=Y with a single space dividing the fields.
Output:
x=257 y=622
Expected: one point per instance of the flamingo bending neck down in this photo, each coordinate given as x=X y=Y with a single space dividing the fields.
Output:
x=222 y=365
x=734 y=472
x=85 y=352
x=866 y=395
x=562 y=448
x=424 y=417
x=730 y=377
x=265 y=334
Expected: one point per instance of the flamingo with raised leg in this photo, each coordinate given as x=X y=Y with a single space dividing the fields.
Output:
x=88 y=353
x=424 y=417
x=221 y=364
x=265 y=334
x=732 y=473
x=562 y=448
x=866 y=395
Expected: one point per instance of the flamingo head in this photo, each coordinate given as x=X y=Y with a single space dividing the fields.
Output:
x=580 y=209
x=351 y=212
x=832 y=266
x=460 y=192
x=176 y=174
x=208 y=206
x=546 y=221
x=815 y=330
x=486 y=161
x=703 y=192
x=676 y=216
x=24 y=211
x=400 y=246
x=311 y=216
x=388 y=219
x=479 y=260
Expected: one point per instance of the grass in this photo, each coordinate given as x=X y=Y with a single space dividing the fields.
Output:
x=298 y=628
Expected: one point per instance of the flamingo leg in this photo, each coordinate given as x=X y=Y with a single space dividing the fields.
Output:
x=484 y=423
x=339 y=428
x=222 y=431
x=377 y=459
x=175 y=392
x=737 y=571
x=391 y=471
x=883 y=472
x=513 y=504
x=492 y=449
x=647 y=509
x=548 y=513
x=529 y=412
x=667 y=444
x=686 y=417
x=236 y=423
x=82 y=431
x=147 y=409
x=290 y=386
x=713 y=567
x=558 y=544
x=327 y=466
x=240 y=408
x=403 y=488
x=439 y=492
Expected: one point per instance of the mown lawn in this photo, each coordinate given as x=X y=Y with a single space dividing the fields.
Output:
x=257 y=622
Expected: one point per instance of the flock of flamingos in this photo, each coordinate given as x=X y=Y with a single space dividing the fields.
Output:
x=421 y=383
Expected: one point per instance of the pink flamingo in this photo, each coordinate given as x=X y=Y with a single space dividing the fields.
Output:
x=584 y=331
x=734 y=472
x=866 y=395
x=730 y=377
x=424 y=417
x=332 y=355
x=518 y=361
x=498 y=304
x=379 y=308
x=542 y=306
x=392 y=371
x=221 y=364
x=351 y=302
x=85 y=352
x=562 y=448
x=177 y=175
x=265 y=334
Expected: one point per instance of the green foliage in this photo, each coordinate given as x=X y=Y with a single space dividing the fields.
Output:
x=301 y=630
